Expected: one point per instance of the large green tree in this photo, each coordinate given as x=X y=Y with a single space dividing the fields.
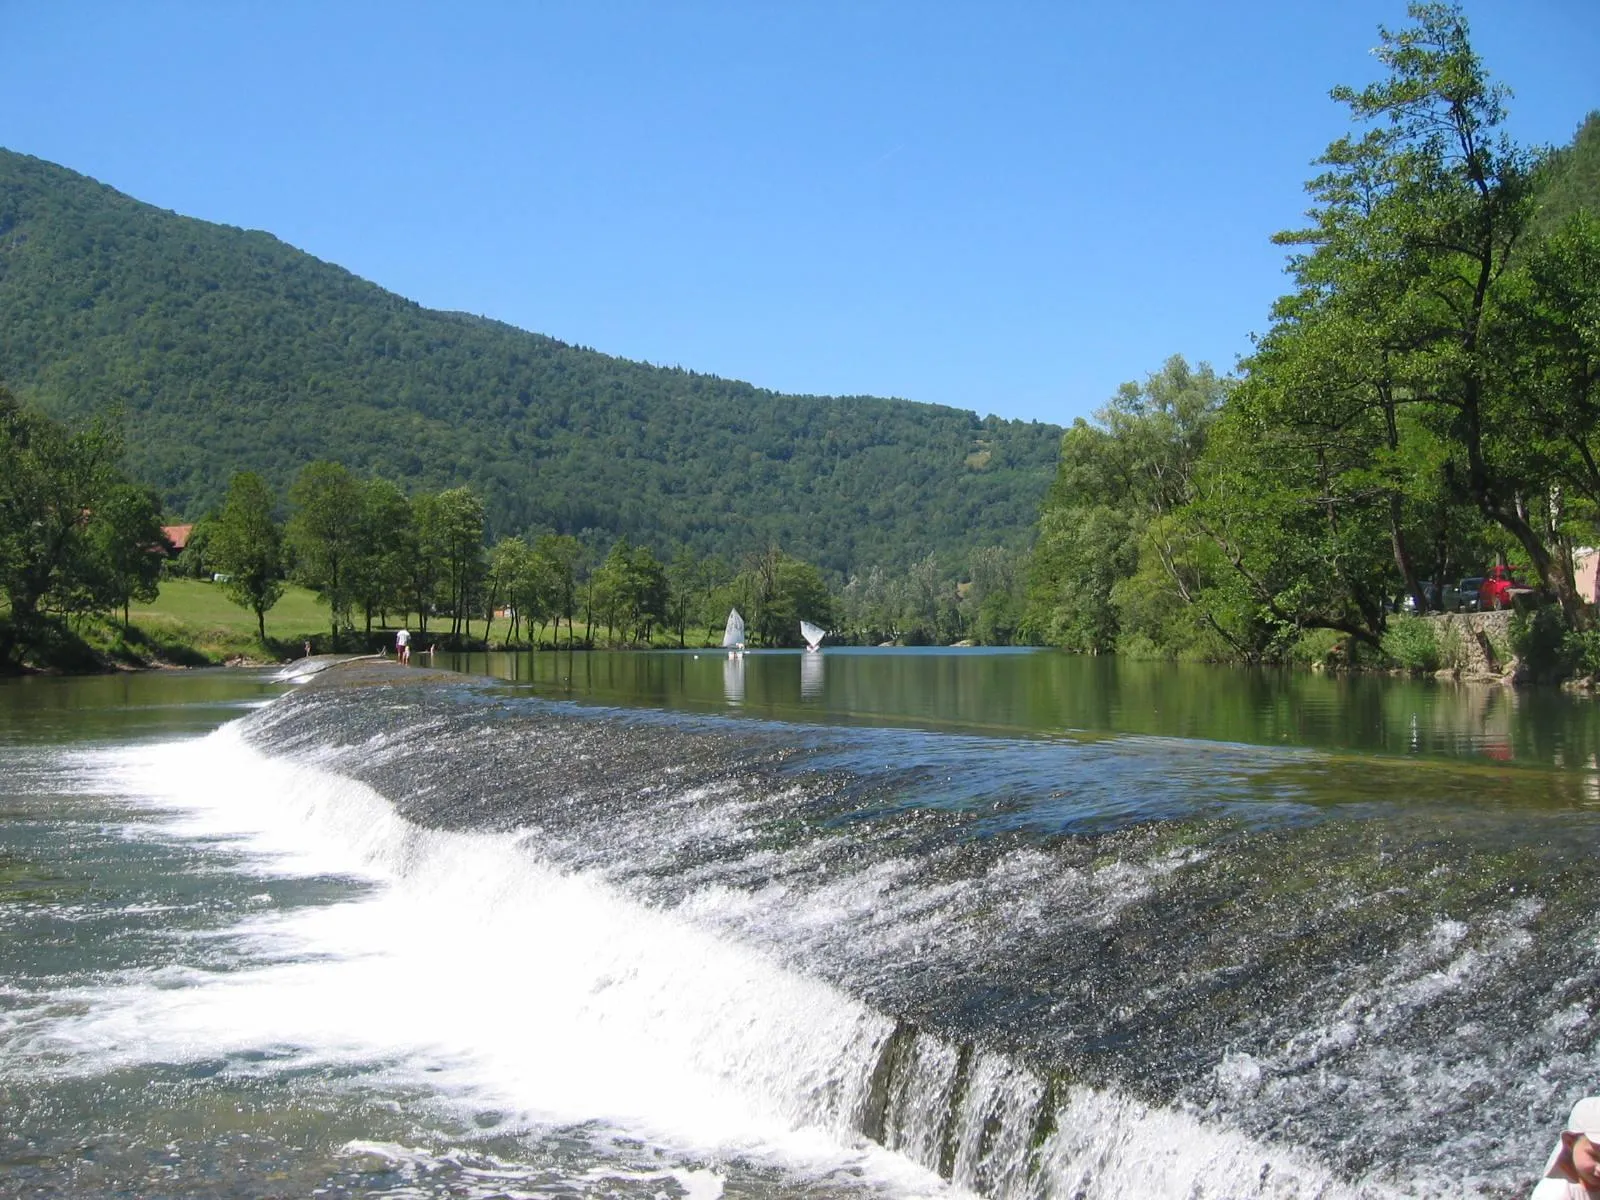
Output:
x=561 y=558
x=515 y=580
x=378 y=570
x=776 y=591
x=53 y=481
x=1547 y=350
x=1119 y=482
x=76 y=535
x=458 y=540
x=992 y=600
x=325 y=533
x=423 y=540
x=128 y=547
x=632 y=590
x=246 y=544
x=1406 y=269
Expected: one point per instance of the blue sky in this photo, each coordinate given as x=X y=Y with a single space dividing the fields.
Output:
x=1009 y=207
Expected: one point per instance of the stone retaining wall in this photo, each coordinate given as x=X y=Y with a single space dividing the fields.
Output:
x=1475 y=645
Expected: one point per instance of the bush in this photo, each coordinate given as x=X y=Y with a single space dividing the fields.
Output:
x=1410 y=642
x=1139 y=646
x=1581 y=651
x=1316 y=646
x=1452 y=647
x=1541 y=640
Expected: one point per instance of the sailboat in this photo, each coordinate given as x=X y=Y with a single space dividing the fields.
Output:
x=812 y=634
x=733 y=633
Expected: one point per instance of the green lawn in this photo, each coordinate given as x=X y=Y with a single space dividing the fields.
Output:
x=205 y=607
x=197 y=613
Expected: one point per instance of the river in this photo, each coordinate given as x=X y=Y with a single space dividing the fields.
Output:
x=849 y=924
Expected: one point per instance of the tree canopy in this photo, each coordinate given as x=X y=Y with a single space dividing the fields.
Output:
x=1424 y=401
x=77 y=536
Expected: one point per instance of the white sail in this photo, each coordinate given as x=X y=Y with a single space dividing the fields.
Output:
x=813 y=634
x=733 y=634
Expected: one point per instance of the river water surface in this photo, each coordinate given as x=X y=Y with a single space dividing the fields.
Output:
x=854 y=923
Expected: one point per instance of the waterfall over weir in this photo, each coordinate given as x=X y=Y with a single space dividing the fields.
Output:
x=1065 y=968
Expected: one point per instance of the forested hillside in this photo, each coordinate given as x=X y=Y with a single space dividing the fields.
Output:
x=230 y=350
x=1570 y=180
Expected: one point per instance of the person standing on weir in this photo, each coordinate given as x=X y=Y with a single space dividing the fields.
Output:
x=402 y=645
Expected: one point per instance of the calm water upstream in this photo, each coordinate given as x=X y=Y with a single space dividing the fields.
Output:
x=862 y=923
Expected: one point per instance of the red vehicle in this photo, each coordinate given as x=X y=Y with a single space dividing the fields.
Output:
x=1501 y=587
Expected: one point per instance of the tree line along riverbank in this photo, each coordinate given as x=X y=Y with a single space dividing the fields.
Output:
x=1424 y=403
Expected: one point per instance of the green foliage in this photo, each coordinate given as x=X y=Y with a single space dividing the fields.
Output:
x=325 y=534
x=1425 y=399
x=1581 y=649
x=1542 y=642
x=76 y=536
x=631 y=591
x=991 y=607
x=246 y=545
x=194 y=560
x=1410 y=642
x=775 y=592
x=233 y=351
x=1294 y=511
x=1569 y=180
x=457 y=533
x=1410 y=271
x=1452 y=647
x=511 y=580
x=872 y=608
x=559 y=557
x=1081 y=554
x=126 y=548
x=1111 y=512
x=1316 y=648
x=379 y=570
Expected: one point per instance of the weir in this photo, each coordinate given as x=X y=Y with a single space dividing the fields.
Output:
x=1043 y=968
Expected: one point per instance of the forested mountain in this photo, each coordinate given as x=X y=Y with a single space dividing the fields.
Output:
x=230 y=350
x=1570 y=179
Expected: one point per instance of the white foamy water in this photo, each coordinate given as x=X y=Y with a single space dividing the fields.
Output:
x=471 y=968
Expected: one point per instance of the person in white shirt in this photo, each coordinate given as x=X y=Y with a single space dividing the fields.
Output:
x=402 y=645
x=1573 y=1172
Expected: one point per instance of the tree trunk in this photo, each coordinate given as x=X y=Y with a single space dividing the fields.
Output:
x=1550 y=573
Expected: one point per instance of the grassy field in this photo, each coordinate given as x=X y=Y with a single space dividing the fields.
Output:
x=199 y=614
x=196 y=604
x=193 y=621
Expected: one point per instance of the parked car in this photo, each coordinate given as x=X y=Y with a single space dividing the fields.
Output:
x=1430 y=593
x=1440 y=599
x=1469 y=591
x=1501 y=588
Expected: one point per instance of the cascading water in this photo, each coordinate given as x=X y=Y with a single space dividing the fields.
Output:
x=861 y=960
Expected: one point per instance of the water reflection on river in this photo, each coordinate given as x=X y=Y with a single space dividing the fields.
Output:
x=1045 y=693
